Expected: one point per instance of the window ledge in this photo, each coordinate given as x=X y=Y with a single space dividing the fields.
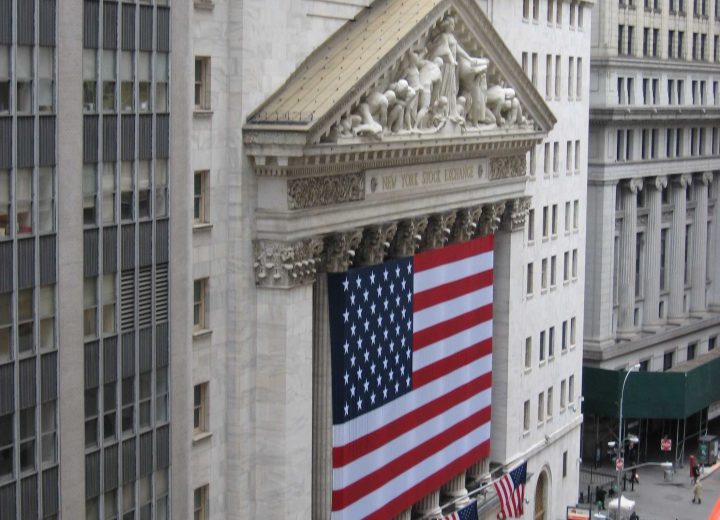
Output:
x=201 y=333
x=202 y=112
x=202 y=226
x=200 y=436
x=205 y=6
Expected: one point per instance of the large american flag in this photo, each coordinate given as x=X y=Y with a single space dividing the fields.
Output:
x=510 y=490
x=411 y=369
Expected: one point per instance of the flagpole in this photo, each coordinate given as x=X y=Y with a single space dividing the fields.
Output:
x=471 y=493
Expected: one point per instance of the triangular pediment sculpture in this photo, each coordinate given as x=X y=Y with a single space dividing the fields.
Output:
x=405 y=71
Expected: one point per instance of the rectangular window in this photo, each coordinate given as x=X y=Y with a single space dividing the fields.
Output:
x=556 y=157
x=541 y=408
x=549 y=402
x=529 y=279
x=564 y=464
x=46 y=200
x=108 y=193
x=569 y=157
x=572 y=332
x=566 y=266
x=162 y=77
x=534 y=77
x=127 y=193
x=90 y=303
x=548 y=76
x=574 y=263
x=526 y=417
x=528 y=352
x=553 y=270
x=564 y=336
x=202 y=83
x=551 y=342
x=571 y=389
x=548 y=159
x=25 y=314
x=541 y=350
x=6 y=327
x=24 y=201
x=668 y=360
x=200 y=288
x=531 y=225
x=554 y=219
x=550 y=13
x=563 y=386
x=109 y=76
x=568 y=216
x=5 y=198
x=200 y=197
x=46 y=308
x=161 y=187
x=536 y=10
x=144 y=189
x=89 y=80
x=46 y=68
x=200 y=408
x=577 y=156
x=691 y=350
x=543 y=273
x=144 y=75
x=526 y=9
x=558 y=76
x=576 y=215
x=109 y=297
x=579 y=81
x=570 y=77
x=201 y=501
x=711 y=343
x=24 y=72
x=545 y=222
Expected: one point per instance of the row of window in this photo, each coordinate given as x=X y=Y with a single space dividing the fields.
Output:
x=553 y=89
x=669 y=360
x=550 y=220
x=545 y=405
x=700 y=7
x=675 y=145
x=19 y=337
x=21 y=82
x=132 y=497
x=22 y=191
x=551 y=158
x=546 y=340
x=676 y=45
x=570 y=272
x=554 y=11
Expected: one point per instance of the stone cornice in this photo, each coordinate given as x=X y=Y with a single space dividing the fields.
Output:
x=642 y=114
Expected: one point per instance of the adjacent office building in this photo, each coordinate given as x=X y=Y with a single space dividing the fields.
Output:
x=176 y=178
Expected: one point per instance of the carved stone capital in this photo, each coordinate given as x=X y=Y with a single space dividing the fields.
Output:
x=408 y=237
x=682 y=181
x=634 y=185
x=375 y=243
x=312 y=192
x=516 y=212
x=491 y=218
x=438 y=230
x=287 y=264
x=466 y=224
x=705 y=177
x=507 y=167
x=340 y=250
x=660 y=182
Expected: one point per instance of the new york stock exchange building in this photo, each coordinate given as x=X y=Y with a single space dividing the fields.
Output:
x=405 y=353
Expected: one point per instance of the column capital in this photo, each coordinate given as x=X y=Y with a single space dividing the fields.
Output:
x=466 y=224
x=659 y=183
x=491 y=218
x=438 y=229
x=516 y=211
x=705 y=177
x=375 y=243
x=634 y=185
x=286 y=264
x=682 y=181
x=340 y=250
x=408 y=237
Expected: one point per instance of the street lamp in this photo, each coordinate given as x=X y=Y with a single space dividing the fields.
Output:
x=621 y=443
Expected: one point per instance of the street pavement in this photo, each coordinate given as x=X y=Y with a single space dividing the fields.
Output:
x=658 y=499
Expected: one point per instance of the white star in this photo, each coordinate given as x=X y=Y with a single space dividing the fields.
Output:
x=346 y=315
x=397 y=300
x=379 y=350
x=397 y=357
x=379 y=290
x=366 y=385
x=352 y=299
x=352 y=391
x=409 y=267
x=359 y=311
x=379 y=380
x=409 y=324
x=392 y=287
x=392 y=317
x=397 y=385
x=372 y=278
x=372 y=309
x=372 y=368
x=379 y=320
x=409 y=296
x=404 y=283
x=402 y=370
x=385 y=274
x=346 y=346
x=385 y=334
x=359 y=342
x=352 y=361
x=372 y=338
x=347 y=410
x=402 y=341
x=346 y=283
x=408 y=353
x=403 y=311
x=385 y=304
x=392 y=375
x=407 y=381
x=358 y=282
x=392 y=346
x=359 y=405
x=367 y=356
x=366 y=325
x=372 y=398
x=385 y=392
x=365 y=295
x=352 y=329
x=347 y=377
x=397 y=330
x=397 y=271
x=385 y=362
x=359 y=374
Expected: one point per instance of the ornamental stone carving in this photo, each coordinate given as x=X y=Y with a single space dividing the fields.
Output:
x=312 y=192
x=438 y=230
x=437 y=87
x=491 y=218
x=706 y=178
x=507 y=167
x=682 y=181
x=286 y=264
x=466 y=224
x=340 y=250
x=408 y=237
x=376 y=243
x=660 y=182
x=634 y=185
x=516 y=213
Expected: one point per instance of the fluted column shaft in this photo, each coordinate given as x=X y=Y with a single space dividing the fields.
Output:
x=455 y=489
x=627 y=258
x=715 y=252
x=430 y=505
x=677 y=246
x=698 y=302
x=651 y=291
x=322 y=403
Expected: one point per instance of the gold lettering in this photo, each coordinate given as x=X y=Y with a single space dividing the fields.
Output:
x=409 y=179
x=388 y=182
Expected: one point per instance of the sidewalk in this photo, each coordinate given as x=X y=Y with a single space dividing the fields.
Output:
x=709 y=471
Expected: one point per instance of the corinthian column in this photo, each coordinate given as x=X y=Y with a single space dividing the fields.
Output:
x=677 y=245
x=698 y=301
x=430 y=506
x=455 y=489
x=652 y=249
x=627 y=256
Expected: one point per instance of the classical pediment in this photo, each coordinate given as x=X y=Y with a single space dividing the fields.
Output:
x=405 y=79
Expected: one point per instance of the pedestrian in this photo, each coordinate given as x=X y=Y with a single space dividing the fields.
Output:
x=598 y=456
x=697 y=492
x=696 y=472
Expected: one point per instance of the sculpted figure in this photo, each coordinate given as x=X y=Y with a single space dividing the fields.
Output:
x=430 y=78
x=374 y=113
x=504 y=105
x=473 y=85
x=400 y=115
x=446 y=47
x=411 y=72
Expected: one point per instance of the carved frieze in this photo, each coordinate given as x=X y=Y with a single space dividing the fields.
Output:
x=340 y=250
x=466 y=224
x=507 y=167
x=312 y=192
x=286 y=264
x=376 y=243
x=438 y=230
x=408 y=237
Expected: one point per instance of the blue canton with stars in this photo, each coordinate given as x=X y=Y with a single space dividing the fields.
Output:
x=371 y=336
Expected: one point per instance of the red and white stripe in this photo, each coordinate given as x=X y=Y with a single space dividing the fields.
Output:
x=511 y=498
x=388 y=459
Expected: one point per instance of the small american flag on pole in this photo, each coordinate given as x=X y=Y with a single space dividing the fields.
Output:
x=411 y=376
x=468 y=512
x=511 y=492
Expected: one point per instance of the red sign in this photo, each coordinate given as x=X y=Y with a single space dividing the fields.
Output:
x=666 y=444
x=619 y=464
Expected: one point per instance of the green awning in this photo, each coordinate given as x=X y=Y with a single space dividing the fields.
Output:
x=674 y=394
